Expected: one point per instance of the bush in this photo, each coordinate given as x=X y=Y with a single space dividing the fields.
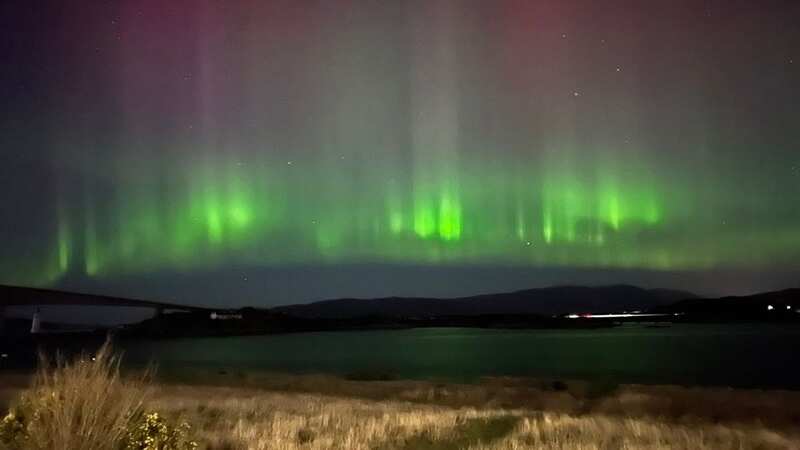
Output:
x=155 y=433
x=85 y=404
x=305 y=436
x=13 y=431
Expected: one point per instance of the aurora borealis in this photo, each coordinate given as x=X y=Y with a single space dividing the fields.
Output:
x=200 y=137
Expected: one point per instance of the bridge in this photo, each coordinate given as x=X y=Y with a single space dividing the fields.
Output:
x=24 y=296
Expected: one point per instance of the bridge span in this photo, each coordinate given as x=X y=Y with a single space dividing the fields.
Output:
x=25 y=296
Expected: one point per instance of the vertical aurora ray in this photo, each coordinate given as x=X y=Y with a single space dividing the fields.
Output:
x=435 y=127
x=64 y=242
x=91 y=251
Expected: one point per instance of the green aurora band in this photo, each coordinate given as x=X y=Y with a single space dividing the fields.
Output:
x=291 y=212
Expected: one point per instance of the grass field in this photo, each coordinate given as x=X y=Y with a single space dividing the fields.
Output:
x=243 y=418
x=273 y=411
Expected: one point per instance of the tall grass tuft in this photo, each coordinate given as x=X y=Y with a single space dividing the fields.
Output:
x=79 y=404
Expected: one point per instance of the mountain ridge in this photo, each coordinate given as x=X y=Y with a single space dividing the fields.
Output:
x=551 y=300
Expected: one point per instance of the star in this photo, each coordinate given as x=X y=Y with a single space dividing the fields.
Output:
x=576 y=94
x=288 y=163
x=619 y=69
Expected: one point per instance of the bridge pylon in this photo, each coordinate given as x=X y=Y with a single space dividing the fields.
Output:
x=36 y=322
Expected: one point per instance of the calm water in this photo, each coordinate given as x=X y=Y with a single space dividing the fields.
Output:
x=754 y=355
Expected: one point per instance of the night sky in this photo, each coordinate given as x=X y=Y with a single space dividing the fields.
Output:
x=268 y=152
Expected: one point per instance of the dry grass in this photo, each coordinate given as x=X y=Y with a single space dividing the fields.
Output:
x=242 y=418
x=88 y=405
x=774 y=408
x=84 y=404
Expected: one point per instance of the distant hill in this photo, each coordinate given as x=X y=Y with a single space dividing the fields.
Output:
x=762 y=306
x=546 y=301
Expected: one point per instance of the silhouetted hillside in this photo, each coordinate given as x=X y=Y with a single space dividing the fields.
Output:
x=547 y=301
x=777 y=305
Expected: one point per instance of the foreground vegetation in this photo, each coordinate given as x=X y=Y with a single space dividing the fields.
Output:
x=86 y=404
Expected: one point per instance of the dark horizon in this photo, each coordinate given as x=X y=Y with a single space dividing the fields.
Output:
x=536 y=307
x=268 y=287
x=263 y=299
